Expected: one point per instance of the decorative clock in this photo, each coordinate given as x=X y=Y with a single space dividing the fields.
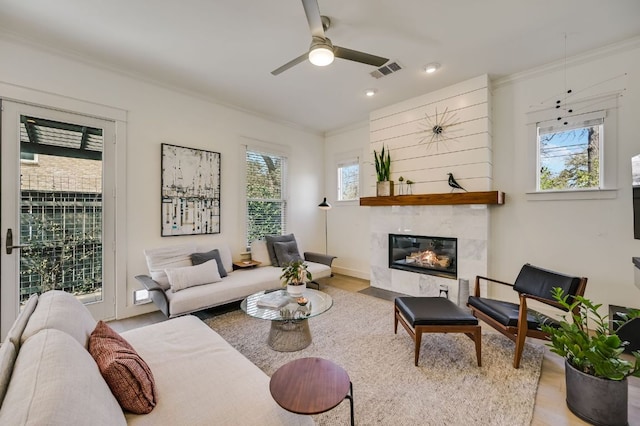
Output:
x=436 y=129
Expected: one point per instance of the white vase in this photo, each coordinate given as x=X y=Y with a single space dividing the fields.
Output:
x=296 y=290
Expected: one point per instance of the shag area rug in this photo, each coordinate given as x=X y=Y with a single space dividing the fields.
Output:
x=447 y=388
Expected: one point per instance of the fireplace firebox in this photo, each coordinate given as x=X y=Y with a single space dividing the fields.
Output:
x=424 y=255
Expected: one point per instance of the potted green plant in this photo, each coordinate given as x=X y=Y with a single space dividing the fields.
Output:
x=295 y=277
x=384 y=185
x=595 y=370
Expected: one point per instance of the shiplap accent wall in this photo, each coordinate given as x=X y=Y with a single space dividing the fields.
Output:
x=465 y=149
x=467 y=155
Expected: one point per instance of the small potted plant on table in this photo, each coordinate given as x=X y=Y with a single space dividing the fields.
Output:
x=595 y=373
x=295 y=277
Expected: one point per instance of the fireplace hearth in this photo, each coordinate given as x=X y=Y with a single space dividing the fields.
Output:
x=424 y=255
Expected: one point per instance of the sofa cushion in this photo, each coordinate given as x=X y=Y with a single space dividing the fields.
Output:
x=8 y=354
x=162 y=258
x=15 y=333
x=56 y=382
x=259 y=252
x=225 y=253
x=286 y=252
x=198 y=258
x=55 y=309
x=203 y=379
x=126 y=373
x=276 y=239
x=191 y=276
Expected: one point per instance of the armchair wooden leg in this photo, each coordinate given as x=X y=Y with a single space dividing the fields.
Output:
x=522 y=332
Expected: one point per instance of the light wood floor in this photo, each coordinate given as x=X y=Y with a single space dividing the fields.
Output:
x=550 y=407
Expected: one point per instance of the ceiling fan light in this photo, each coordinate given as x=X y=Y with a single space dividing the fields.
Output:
x=321 y=56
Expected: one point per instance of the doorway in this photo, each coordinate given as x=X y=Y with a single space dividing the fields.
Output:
x=55 y=217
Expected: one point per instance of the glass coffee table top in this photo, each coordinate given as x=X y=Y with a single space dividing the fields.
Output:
x=278 y=305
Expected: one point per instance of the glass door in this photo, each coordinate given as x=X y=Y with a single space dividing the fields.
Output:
x=55 y=218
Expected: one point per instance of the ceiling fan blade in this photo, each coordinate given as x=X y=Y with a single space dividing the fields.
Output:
x=354 y=55
x=291 y=64
x=312 y=11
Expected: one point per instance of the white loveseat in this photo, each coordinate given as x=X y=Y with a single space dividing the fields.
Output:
x=237 y=285
x=48 y=376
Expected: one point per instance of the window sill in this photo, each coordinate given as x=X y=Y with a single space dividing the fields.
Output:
x=584 y=194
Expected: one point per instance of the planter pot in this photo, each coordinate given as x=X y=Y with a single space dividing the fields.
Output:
x=296 y=290
x=384 y=188
x=599 y=401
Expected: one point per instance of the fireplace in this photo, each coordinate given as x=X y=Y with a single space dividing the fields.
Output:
x=424 y=255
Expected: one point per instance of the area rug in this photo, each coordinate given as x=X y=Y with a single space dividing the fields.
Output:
x=447 y=387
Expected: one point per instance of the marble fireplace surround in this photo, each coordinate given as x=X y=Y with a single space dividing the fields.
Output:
x=468 y=223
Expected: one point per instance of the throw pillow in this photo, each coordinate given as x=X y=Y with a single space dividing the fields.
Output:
x=259 y=252
x=271 y=239
x=191 y=276
x=126 y=373
x=286 y=252
x=199 y=258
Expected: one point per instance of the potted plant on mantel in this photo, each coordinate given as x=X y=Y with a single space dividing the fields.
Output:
x=295 y=277
x=384 y=185
x=595 y=373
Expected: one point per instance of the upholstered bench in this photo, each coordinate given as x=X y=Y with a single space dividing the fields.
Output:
x=435 y=315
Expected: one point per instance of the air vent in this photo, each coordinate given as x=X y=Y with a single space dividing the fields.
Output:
x=386 y=70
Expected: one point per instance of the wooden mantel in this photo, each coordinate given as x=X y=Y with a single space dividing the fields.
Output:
x=486 y=197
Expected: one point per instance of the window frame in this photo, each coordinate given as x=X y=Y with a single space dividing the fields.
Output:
x=604 y=107
x=338 y=160
x=273 y=150
x=340 y=164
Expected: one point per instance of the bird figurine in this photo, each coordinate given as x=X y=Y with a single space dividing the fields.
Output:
x=453 y=184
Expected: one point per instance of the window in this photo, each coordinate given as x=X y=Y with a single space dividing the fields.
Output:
x=348 y=180
x=569 y=155
x=572 y=152
x=266 y=175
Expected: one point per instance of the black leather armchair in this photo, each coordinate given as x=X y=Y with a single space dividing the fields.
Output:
x=516 y=320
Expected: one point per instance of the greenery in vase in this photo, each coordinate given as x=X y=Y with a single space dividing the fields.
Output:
x=295 y=273
x=596 y=353
x=383 y=165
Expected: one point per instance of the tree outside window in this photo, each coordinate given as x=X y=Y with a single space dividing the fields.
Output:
x=569 y=156
x=266 y=203
x=348 y=180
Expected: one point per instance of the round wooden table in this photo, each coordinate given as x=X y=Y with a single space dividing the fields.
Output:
x=311 y=386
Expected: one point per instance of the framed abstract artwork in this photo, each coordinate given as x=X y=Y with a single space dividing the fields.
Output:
x=190 y=191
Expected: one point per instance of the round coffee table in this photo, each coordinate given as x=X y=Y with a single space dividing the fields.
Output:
x=311 y=386
x=289 y=320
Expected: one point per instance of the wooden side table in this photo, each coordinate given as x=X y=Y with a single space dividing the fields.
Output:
x=311 y=386
x=246 y=264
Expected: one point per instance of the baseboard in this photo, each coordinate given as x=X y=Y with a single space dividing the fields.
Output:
x=351 y=273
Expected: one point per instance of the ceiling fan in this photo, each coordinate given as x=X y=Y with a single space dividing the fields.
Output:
x=322 y=51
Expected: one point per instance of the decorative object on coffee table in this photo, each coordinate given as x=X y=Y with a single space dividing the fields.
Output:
x=311 y=386
x=384 y=185
x=295 y=277
x=596 y=375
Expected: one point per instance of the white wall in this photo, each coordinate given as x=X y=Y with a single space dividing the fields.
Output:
x=156 y=115
x=348 y=223
x=592 y=238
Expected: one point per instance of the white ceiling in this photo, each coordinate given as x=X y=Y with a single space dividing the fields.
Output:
x=226 y=50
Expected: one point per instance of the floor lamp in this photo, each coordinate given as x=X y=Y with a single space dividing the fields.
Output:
x=325 y=206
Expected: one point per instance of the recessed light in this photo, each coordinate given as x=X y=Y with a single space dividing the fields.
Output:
x=431 y=68
x=370 y=92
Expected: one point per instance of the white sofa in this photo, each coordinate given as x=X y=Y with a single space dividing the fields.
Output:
x=48 y=377
x=237 y=285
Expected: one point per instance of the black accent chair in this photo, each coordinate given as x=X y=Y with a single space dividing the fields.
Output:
x=517 y=321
